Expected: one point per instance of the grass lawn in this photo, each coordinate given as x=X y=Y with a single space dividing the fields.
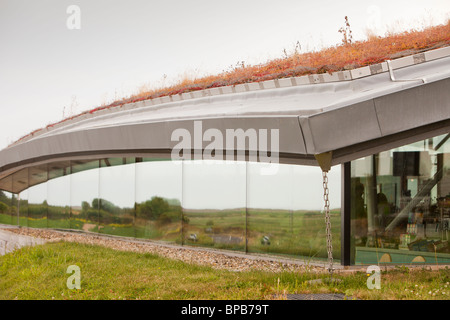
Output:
x=40 y=273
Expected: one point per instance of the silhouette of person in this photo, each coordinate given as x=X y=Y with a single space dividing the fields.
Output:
x=359 y=226
x=382 y=209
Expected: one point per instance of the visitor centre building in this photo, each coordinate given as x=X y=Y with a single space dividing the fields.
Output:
x=241 y=167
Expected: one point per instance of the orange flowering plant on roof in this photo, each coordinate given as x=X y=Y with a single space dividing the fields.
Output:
x=346 y=56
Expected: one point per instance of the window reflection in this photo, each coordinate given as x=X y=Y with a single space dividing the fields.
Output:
x=222 y=204
x=37 y=197
x=58 y=195
x=158 y=200
x=400 y=204
x=285 y=210
x=20 y=185
x=8 y=203
x=116 y=197
x=84 y=182
x=214 y=199
x=23 y=208
x=6 y=208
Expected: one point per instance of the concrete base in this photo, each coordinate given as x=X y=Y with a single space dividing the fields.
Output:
x=10 y=241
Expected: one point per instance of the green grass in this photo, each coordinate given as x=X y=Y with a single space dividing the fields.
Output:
x=40 y=273
x=6 y=218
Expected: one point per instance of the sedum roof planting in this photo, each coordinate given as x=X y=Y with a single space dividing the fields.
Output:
x=332 y=60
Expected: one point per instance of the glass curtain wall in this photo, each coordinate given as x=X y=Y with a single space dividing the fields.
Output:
x=37 y=197
x=285 y=210
x=116 y=196
x=20 y=183
x=84 y=184
x=233 y=205
x=8 y=210
x=8 y=203
x=23 y=208
x=58 y=195
x=158 y=200
x=214 y=204
x=401 y=204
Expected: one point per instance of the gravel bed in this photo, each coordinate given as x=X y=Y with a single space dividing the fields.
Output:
x=227 y=261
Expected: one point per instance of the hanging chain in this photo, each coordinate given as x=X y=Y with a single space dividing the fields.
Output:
x=327 y=222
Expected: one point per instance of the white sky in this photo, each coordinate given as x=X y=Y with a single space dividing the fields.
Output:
x=47 y=70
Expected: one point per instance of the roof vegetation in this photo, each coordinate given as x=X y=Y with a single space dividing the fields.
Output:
x=345 y=56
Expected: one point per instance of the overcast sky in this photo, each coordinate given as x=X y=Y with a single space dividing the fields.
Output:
x=48 y=70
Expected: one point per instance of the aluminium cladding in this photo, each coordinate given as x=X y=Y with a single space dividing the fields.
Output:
x=352 y=113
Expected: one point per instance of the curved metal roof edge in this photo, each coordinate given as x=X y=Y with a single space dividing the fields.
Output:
x=347 y=75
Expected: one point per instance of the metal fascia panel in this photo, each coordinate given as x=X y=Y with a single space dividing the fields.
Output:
x=413 y=107
x=155 y=136
x=342 y=127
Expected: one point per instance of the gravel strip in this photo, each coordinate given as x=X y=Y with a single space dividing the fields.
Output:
x=201 y=256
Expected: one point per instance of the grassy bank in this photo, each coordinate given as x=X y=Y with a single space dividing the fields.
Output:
x=40 y=273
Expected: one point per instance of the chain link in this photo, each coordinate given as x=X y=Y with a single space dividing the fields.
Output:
x=327 y=222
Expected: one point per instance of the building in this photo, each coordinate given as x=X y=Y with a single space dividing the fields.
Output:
x=237 y=167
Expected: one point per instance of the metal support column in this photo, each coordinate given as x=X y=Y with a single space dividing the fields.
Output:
x=346 y=256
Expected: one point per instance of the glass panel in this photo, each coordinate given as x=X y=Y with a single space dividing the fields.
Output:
x=270 y=209
x=23 y=208
x=5 y=208
x=58 y=195
x=20 y=185
x=37 y=197
x=214 y=200
x=116 y=197
x=14 y=209
x=83 y=190
x=401 y=204
x=158 y=200
x=8 y=209
x=285 y=210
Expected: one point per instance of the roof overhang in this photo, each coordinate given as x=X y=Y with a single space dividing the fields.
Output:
x=351 y=117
